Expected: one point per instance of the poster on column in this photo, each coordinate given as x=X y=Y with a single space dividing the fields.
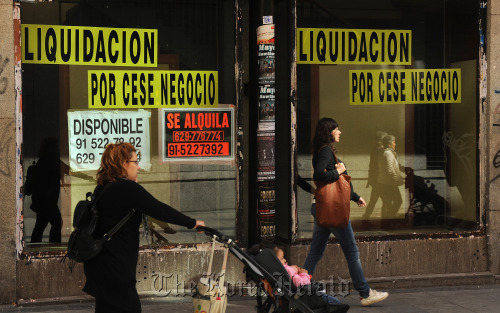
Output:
x=266 y=106
x=91 y=131
x=266 y=169
x=266 y=54
x=266 y=58
x=267 y=208
x=266 y=161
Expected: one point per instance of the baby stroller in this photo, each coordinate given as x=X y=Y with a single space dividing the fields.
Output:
x=425 y=202
x=276 y=293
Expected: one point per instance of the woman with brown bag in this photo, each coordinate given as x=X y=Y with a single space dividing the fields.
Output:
x=326 y=169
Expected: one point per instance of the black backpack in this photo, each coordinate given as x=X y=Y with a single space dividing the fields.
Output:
x=82 y=246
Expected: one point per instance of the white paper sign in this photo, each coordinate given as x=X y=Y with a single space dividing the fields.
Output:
x=91 y=131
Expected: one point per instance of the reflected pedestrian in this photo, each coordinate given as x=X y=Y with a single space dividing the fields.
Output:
x=390 y=177
x=376 y=150
x=43 y=184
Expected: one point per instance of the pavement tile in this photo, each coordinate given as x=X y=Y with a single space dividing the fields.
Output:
x=463 y=299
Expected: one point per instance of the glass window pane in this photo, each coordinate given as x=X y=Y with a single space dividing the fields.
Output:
x=190 y=38
x=434 y=142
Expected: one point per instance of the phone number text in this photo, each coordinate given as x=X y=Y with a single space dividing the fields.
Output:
x=98 y=144
x=180 y=136
x=197 y=149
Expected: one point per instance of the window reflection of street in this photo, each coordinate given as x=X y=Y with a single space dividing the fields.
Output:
x=427 y=198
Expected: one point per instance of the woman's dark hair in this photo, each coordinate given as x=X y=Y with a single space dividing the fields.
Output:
x=113 y=158
x=323 y=135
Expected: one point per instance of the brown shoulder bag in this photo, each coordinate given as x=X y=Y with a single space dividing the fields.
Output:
x=333 y=201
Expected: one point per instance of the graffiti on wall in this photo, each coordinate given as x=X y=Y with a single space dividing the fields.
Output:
x=3 y=80
x=496 y=160
x=6 y=138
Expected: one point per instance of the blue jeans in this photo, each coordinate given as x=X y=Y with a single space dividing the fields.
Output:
x=345 y=237
x=329 y=299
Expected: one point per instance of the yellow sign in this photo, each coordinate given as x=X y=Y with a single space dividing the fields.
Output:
x=353 y=46
x=54 y=44
x=405 y=86
x=152 y=89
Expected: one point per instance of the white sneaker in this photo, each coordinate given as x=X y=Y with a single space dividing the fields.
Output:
x=374 y=297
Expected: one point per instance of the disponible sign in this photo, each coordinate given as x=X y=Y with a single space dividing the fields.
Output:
x=198 y=134
x=91 y=131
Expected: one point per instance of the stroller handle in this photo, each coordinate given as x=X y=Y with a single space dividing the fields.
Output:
x=212 y=232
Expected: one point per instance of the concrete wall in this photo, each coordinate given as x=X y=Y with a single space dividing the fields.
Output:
x=491 y=131
x=7 y=156
x=405 y=263
x=162 y=273
x=387 y=264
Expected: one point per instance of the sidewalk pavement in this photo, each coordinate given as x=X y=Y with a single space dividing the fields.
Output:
x=483 y=298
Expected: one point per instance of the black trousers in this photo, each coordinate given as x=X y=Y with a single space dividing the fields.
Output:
x=45 y=216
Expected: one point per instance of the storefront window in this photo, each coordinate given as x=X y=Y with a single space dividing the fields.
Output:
x=195 y=37
x=401 y=68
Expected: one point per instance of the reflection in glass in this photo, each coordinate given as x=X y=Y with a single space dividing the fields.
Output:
x=389 y=178
x=432 y=183
x=205 y=189
x=427 y=207
x=43 y=185
x=372 y=182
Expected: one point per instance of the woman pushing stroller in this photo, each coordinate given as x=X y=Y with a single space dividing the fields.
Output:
x=111 y=275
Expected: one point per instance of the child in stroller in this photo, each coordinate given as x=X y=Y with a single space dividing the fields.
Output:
x=298 y=281
x=300 y=277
